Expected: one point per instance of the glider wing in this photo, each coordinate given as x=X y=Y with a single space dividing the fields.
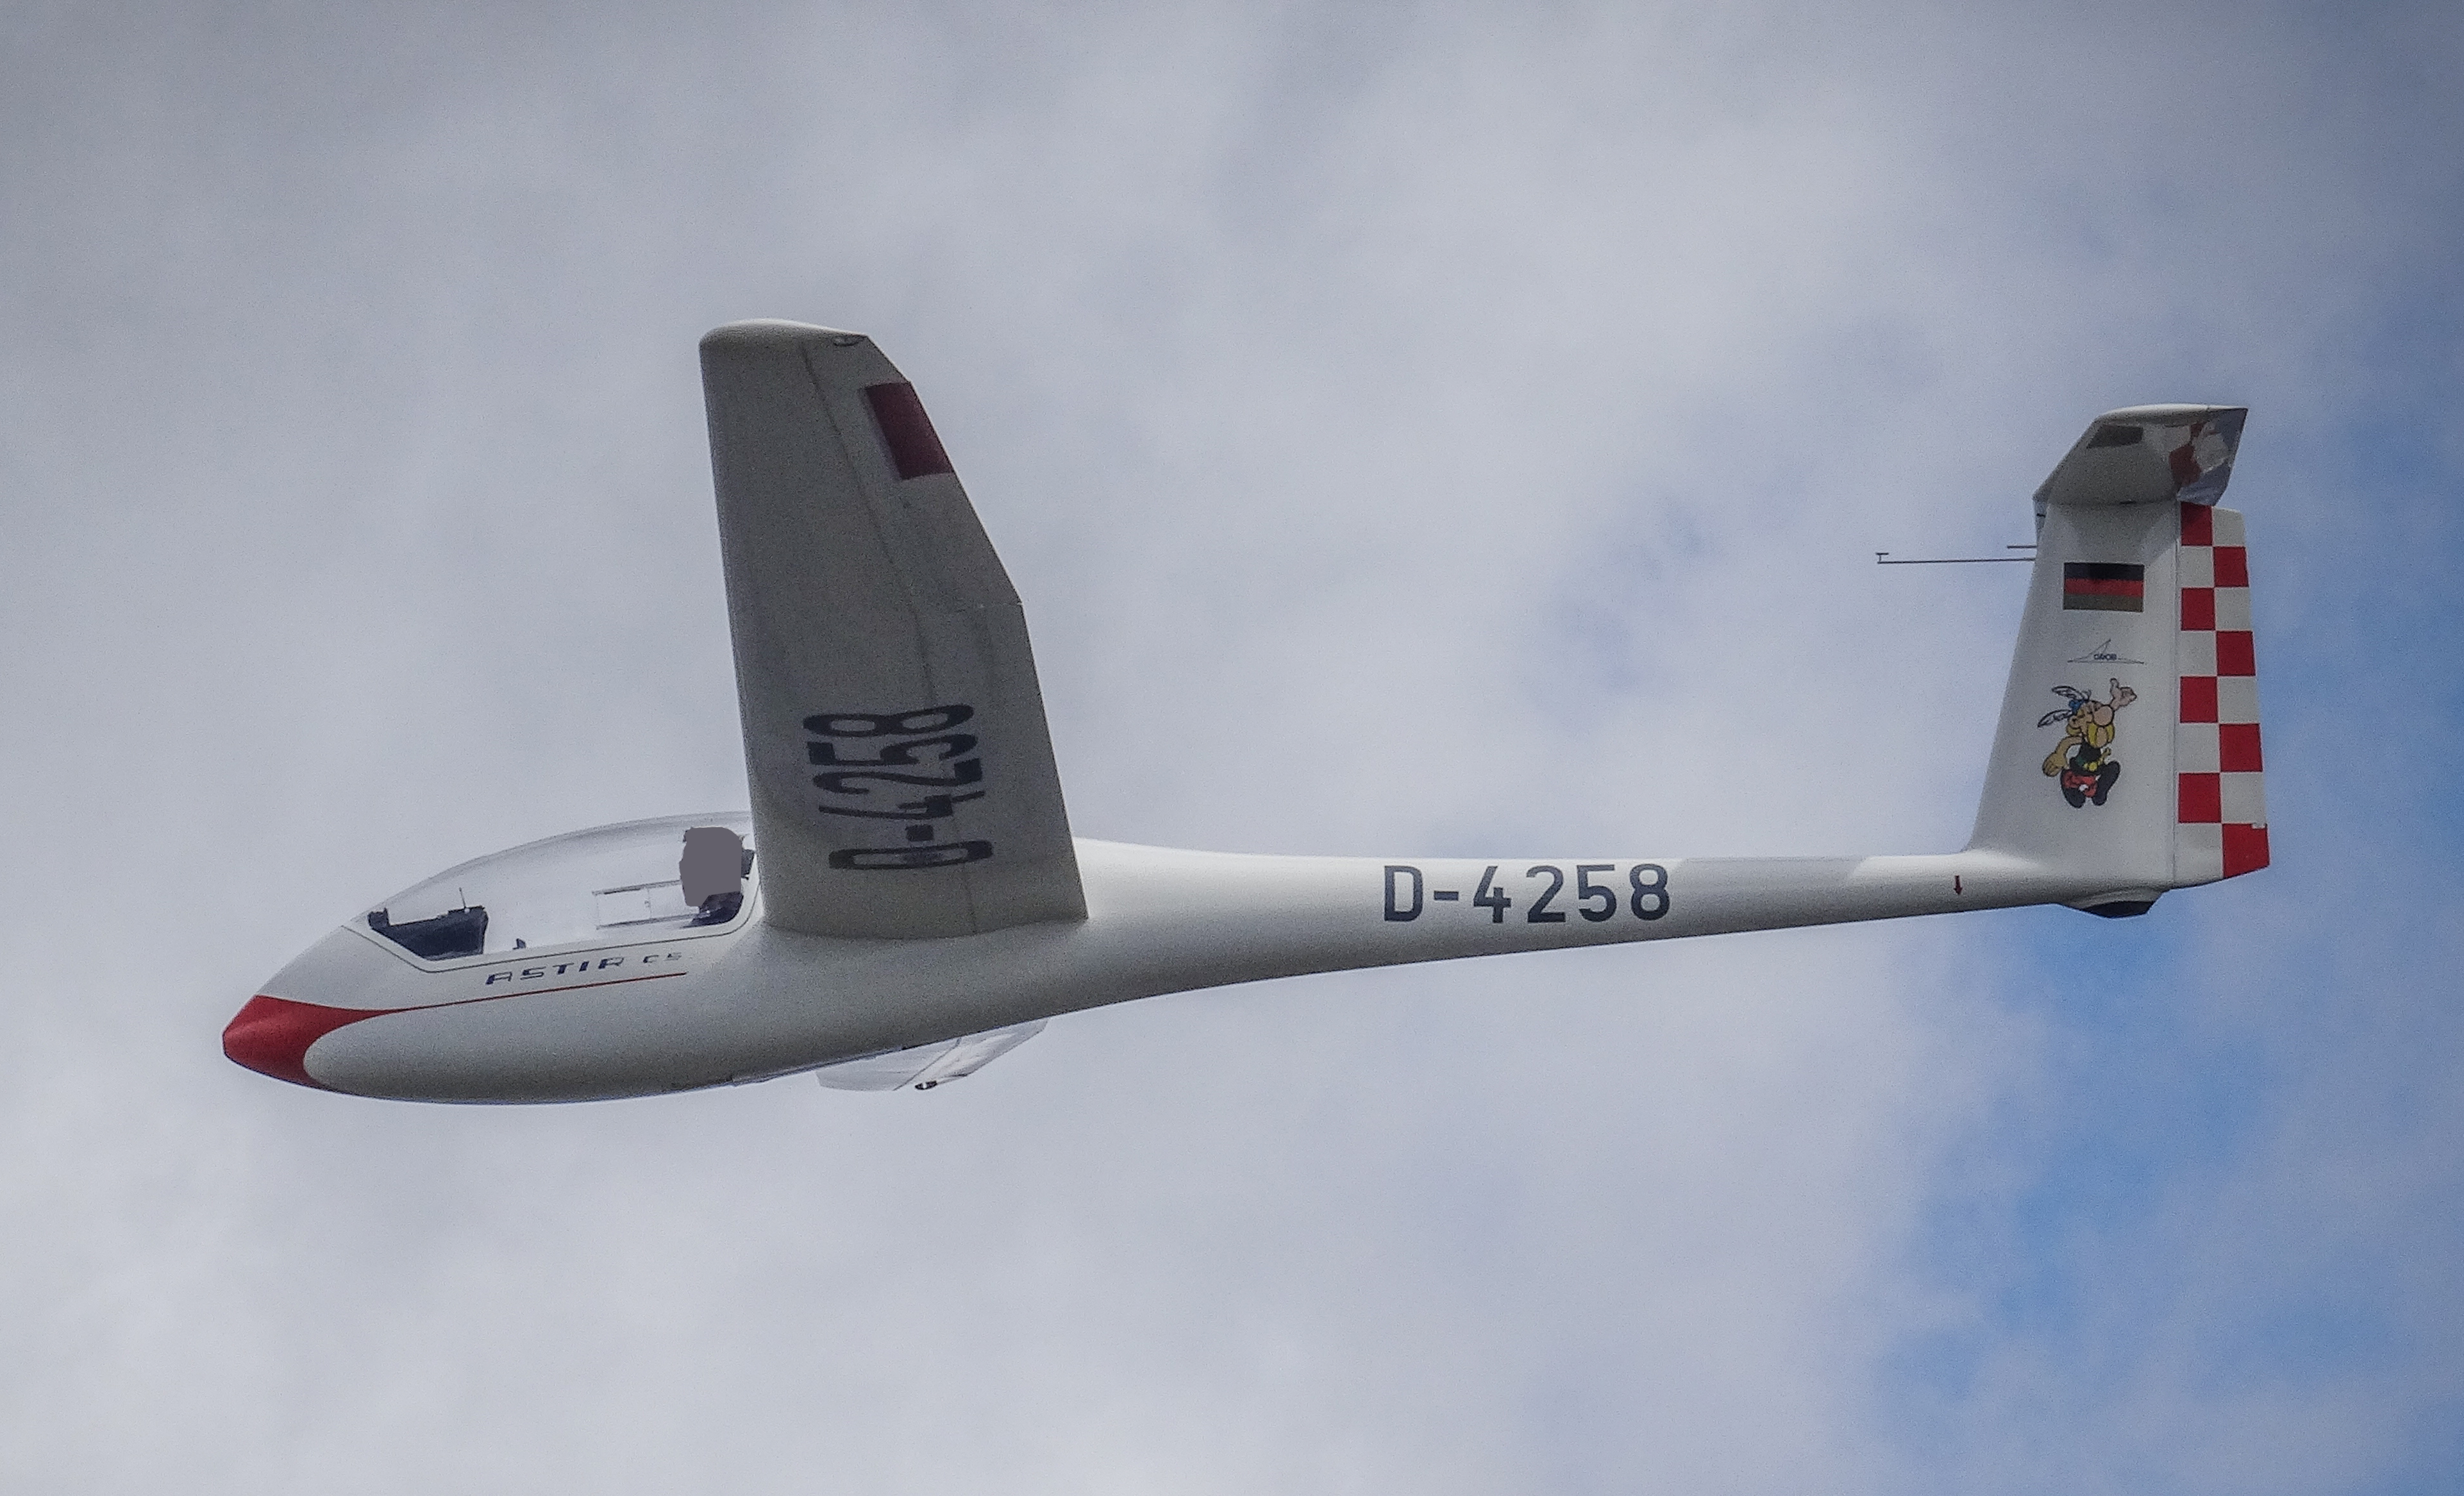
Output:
x=895 y=741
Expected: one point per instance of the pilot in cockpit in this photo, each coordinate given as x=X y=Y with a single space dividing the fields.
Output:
x=711 y=872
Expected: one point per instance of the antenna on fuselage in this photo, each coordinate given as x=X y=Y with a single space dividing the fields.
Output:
x=1885 y=558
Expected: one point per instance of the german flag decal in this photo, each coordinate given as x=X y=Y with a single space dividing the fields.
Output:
x=2104 y=586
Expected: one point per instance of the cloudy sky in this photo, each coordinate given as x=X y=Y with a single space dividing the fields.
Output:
x=1438 y=429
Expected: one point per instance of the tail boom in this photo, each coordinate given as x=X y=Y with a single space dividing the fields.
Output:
x=1164 y=920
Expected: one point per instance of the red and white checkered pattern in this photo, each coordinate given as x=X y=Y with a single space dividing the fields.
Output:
x=2220 y=830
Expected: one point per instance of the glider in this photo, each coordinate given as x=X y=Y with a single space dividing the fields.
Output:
x=904 y=901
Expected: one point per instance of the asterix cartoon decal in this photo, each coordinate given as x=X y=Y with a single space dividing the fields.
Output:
x=2083 y=759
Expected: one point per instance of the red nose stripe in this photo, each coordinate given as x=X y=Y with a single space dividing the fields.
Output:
x=272 y=1035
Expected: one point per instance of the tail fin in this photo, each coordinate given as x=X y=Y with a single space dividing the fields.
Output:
x=2127 y=755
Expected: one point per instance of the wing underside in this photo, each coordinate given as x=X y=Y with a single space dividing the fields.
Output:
x=901 y=772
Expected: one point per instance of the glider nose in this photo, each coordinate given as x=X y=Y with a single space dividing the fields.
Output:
x=272 y=1035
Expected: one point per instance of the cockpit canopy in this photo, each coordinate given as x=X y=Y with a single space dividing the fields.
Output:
x=644 y=880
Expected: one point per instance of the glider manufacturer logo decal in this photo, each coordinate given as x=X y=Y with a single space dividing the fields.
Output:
x=2105 y=654
x=872 y=757
x=589 y=964
x=2083 y=759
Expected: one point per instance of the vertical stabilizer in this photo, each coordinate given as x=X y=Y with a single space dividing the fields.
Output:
x=2127 y=750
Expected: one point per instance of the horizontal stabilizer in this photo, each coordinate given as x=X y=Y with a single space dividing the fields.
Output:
x=2150 y=455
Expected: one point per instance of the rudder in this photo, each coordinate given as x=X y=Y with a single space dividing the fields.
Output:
x=2221 y=828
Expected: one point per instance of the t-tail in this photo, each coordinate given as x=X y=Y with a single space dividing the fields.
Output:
x=2128 y=753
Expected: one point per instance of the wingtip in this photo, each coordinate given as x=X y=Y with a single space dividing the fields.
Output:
x=2175 y=414
x=772 y=332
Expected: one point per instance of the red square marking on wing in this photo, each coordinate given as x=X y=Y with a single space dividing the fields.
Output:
x=2198 y=698
x=914 y=448
x=2198 y=608
x=2238 y=748
x=2202 y=800
x=2233 y=566
x=2198 y=526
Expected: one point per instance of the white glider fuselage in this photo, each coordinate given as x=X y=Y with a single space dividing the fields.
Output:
x=600 y=1020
